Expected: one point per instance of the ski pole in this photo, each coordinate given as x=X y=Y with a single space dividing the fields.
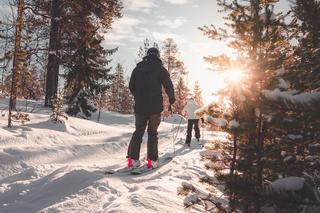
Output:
x=203 y=136
x=174 y=148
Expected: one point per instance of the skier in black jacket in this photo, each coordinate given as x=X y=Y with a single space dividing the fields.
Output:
x=146 y=84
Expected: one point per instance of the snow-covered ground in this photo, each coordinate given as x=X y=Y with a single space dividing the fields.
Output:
x=47 y=167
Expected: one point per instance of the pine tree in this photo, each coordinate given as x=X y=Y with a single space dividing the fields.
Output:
x=181 y=94
x=54 y=49
x=58 y=116
x=33 y=45
x=144 y=48
x=86 y=59
x=119 y=99
x=257 y=34
x=18 y=60
x=175 y=67
x=305 y=72
x=170 y=58
x=295 y=103
x=197 y=94
x=117 y=86
x=126 y=101
x=7 y=54
x=307 y=64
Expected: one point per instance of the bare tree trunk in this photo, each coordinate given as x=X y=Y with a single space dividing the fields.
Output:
x=53 y=58
x=99 y=115
x=16 y=64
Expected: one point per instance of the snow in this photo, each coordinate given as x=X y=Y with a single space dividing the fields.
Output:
x=268 y=209
x=175 y=119
x=47 y=167
x=283 y=84
x=281 y=71
x=292 y=97
x=191 y=199
x=264 y=16
x=234 y=124
x=208 y=154
x=217 y=121
x=288 y=184
x=288 y=159
x=294 y=137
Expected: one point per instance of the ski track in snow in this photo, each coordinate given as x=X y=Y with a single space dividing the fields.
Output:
x=47 y=167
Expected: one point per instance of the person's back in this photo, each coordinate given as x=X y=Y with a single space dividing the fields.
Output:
x=193 y=120
x=146 y=84
x=190 y=109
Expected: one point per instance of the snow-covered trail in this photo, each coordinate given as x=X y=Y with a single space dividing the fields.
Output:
x=46 y=167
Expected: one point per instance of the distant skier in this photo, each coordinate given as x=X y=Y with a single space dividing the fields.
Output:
x=146 y=84
x=193 y=120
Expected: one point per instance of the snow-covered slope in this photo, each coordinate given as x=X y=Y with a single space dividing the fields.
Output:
x=46 y=167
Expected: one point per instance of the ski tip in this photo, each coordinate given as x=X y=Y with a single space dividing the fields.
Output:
x=168 y=158
x=135 y=172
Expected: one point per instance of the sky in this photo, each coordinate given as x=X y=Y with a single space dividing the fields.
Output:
x=177 y=19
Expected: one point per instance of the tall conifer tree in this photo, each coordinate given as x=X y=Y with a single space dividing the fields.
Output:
x=175 y=67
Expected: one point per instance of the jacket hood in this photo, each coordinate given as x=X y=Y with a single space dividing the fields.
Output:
x=152 y=57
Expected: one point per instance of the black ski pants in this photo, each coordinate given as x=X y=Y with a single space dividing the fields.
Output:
x=141 y=122
x=192 y=123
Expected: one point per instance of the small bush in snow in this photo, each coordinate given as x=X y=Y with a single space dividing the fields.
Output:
x=20 y=117
x=58 y=115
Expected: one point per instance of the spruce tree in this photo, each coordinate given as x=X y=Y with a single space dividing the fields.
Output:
x=171 y=61
x=85 y=72
x=305 y=71
x=144 y=48
x=86 y=59
x=18 y=60
x=257 y=35
x=175 y=67
x=6 y=55
x=181 y=94
x=119 y=99
x=197 y=94
x=116 y=92
x=52 y=75
x=295 y=102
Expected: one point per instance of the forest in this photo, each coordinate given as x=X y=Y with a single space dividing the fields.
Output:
x=262 y=149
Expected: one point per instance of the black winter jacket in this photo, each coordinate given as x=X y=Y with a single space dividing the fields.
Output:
x=146 y=84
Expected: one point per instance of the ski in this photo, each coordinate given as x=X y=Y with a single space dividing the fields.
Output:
x=138 y=171
x=122 y=170
x=144 y=169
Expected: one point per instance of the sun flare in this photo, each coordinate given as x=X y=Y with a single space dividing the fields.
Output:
x=235 y=75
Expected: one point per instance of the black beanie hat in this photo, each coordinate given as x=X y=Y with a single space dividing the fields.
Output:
x=153 y=51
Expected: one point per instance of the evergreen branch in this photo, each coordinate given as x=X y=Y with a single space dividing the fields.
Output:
x=35 y=12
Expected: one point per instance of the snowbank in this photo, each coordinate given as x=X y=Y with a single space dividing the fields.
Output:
x=217 y=121
x=292 y=97
x=47 y=167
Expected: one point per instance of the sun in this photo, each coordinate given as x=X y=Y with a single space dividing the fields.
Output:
x=235 y=75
